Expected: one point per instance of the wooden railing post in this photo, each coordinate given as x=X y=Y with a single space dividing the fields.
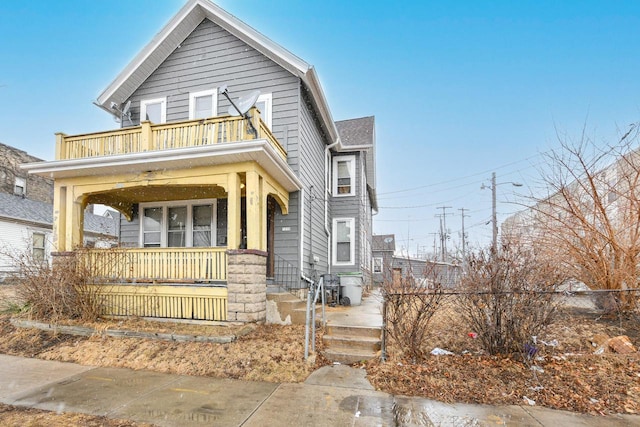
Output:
x=60 y=146
x=145 y=137
x=255 y=121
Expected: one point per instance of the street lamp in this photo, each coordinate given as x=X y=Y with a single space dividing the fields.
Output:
x=494 y=221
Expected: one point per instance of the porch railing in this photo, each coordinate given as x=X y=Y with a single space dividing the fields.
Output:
x=159 y=265
x=154 y=137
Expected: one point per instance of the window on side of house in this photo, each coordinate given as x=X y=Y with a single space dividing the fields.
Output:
x=343 y=241
x=20 y=187
x=377 y=265
x=264 y=106
x=203 y=104
x=38 y=246
x=179 y=224
x=154 y=110
x=344 y=176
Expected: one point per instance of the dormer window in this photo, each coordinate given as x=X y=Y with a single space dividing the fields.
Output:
x=20 y=187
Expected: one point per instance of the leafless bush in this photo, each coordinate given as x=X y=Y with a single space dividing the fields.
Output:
x=56 y=293
x=507 y=298
x=408 y=310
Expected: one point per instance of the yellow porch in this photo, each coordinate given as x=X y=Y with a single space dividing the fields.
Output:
x=210 y=159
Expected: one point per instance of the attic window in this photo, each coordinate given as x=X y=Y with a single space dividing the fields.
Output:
x=203 y=104
x=154 y=110
x=20 y=187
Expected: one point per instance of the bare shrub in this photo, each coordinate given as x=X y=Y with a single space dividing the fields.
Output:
x=507 y=298
x=408 y=311
x=52 y=294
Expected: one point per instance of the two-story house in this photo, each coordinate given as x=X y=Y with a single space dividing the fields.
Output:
x=215 y=202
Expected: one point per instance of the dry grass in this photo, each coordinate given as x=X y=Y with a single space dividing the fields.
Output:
x=573 y=377
x=12 y=416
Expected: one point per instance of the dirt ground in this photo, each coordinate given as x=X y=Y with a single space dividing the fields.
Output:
x=564 y=375
x=13 y=416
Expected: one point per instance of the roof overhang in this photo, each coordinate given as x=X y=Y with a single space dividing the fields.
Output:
x=180 y=26
x=259 y=151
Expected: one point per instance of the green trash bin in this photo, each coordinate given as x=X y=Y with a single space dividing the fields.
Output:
x=351 y=288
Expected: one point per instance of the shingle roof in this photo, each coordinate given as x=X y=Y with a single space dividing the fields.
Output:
x=357 y=132
x=23 y=209
x=383 y=242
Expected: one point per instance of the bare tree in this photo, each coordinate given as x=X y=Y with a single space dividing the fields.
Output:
x=589 y=222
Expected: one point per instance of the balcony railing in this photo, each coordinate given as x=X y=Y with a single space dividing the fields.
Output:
x=154 y=137
x=154 y=265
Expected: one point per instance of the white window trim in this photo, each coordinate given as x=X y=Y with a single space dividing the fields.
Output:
x=267 y=98
x=189 y=225
x=352 y=172
x=381 y=260
x=209 y=92
x=352 y=228
x=163 y=108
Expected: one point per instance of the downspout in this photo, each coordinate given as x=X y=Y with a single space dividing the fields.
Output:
x=301 y=203
x=326 y=202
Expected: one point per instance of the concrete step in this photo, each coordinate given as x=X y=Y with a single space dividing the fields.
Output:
x=351 y=343
x=348 y=357
x=354 y=331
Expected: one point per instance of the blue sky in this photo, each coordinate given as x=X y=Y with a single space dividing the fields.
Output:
x=459 y=89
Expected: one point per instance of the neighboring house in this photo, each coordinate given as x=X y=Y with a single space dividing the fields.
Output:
x=426 y=273
x=215 y=205
x=384 y=246
x=26 y=229
x=14 y=180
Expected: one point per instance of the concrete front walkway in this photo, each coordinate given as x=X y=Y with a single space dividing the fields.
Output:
x=332 y=396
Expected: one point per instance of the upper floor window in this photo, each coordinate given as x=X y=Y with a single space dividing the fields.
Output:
x=154 y=110
x=20 y=187
x=344 y=175
x=203 y=104
x=264 y=106
x=377 y=265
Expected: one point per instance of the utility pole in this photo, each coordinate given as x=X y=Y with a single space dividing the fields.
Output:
x=464 y=246
x=494 y=216
x=443 y=228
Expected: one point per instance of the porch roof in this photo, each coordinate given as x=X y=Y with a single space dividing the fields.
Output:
x=259 y=151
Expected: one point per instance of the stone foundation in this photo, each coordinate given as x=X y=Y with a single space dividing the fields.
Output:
x=246 y=285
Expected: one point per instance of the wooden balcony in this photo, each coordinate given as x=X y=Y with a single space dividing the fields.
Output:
x=154 y=265
x=155 y=137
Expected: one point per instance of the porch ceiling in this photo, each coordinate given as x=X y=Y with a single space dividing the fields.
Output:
x=157 y=194
x=259 y=151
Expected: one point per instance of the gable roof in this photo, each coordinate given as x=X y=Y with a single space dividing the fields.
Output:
x=177 y=30
x=17 y=208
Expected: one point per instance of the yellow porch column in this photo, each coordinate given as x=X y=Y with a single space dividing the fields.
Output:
x=74 y=227
x=59 y=218
x=255 y=212
x=233 y=211
x=68 y=219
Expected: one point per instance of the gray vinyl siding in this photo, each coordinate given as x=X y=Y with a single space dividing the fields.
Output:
x=351 y=207
x=130 y=231
x=311 y=172
x=211 y=57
